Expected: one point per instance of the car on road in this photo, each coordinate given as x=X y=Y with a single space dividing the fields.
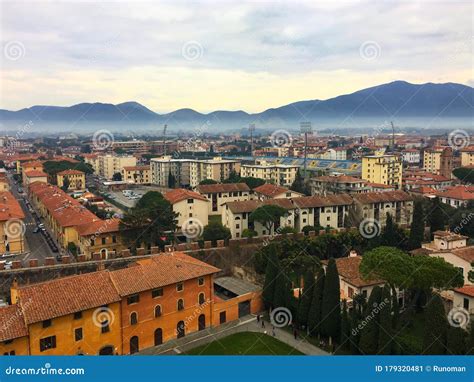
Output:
x=36 y=230
x=6 y=264
x=20 y=190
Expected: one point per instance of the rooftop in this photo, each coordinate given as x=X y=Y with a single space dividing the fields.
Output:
x=224 y=187
x=348 y=268
x=181 y=194
x=270 y=190
x=9 y=207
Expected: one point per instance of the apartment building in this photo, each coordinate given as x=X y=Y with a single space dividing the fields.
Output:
x=32 y=176
x=411 y=156
x=467 y=156
x=136 y=174
x=438 y=160
x=338 y=184
x=25 y=167
x=190 y=172
x=12 y=229
x=106 y=165
x=279 y=174
x=272 y=191
x=75 y=179
x=383 y=169
x=457 y=196
x=191 y=207
x=110 y=313
x=218 y=194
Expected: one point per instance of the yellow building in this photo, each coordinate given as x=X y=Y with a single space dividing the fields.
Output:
x=432 y=159
x=76 y=179
x=12 y=228
x=24 y=167
x=4 y=185
x=136 y=174
x=279 y=174
x=32 y=176
x=382 y=169
x=467 y=157
x=108 y=165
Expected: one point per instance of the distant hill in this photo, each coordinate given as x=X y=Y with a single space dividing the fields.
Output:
x=395 y=100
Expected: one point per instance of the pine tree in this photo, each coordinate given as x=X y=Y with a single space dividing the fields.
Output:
x=368 y=342
x=385 y=323
x=315 y=311
x=306 y=298
x=455 y=342
x=331 y=306
x=417 y=228
x=271 y=274
x=436 y=326
x=470 y=341
x=345 y=327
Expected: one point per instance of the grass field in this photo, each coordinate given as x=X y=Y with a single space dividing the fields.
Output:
x=245 y=343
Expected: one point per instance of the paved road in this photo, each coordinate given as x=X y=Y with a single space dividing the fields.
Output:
x=35 y=243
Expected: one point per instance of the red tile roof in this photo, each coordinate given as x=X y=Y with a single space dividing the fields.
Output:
x=9 y=207
x=35 y=174
x=180 y=194
x=458 y=192
x=136 y=168
x=225 y=187
x=382 y=197
x=323 y=201
x=348 y=269
x=467 y=290
x=339 y=179
x=251 y=205
x=99 y=227
x=270 y=190
x=12 y=323
x=465 y=253
x=71 y=172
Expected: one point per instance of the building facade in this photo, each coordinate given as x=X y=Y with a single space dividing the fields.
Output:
x=383 y=169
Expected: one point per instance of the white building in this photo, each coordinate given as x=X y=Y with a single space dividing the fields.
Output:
x=280 y=174
x=411 y=156
x=218 y=194
x=191 y=207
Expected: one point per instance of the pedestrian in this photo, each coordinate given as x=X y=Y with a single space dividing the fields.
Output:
x=263 y=324
x=258 y=318
x=273 y=331
x=295 y=334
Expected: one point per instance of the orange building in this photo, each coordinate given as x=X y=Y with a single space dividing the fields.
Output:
x=121 y=312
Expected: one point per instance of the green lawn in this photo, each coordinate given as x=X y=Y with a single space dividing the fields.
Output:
x=245 y=343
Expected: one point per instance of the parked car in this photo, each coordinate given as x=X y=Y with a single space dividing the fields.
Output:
x=6 y=264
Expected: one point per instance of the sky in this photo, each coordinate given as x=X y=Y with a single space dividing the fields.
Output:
x=225 y=55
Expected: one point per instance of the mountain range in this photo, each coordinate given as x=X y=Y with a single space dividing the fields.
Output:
x=398 y=100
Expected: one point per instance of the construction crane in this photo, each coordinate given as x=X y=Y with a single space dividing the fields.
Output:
x=392 y=145
x=251 y=129
x=164 y=139
x=306 y=128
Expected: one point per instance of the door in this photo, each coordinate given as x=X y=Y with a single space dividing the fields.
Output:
x=222 y=317
x=244 y=308
x=202 y=322
x=134 y=345
x=106 y=350
x=158 y=336
x=180 y=329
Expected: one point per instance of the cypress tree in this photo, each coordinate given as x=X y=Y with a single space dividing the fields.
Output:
x=369 y=336
x=355 y=333
x=470 y=341
x=436 y=216
x=331 y=306
x=455 y=341
x=436 y=326
x=315 y=310
x=417 y=228
x=281 y=297
x=395 y=308
x=271 y=274
x=345 y=327
x=385 y=323
x=306 y=298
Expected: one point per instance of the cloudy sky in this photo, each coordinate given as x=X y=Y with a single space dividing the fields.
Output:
x=225 y=54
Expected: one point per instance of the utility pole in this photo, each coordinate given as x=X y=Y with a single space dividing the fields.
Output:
x=251 y=129
x=305 y=128
x=392 y=146
x=164 y=139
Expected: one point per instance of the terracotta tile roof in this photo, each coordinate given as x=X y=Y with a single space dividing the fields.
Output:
x=467 y=290
x=159 y=271
x=338 y=179
x=251 y=205
x=32 y=164
x=71 y=172
x=458 y=192
x=382 y=197
x=12 y=323
x=466 y=253
x=449 y=236
x=56 y=298
x=270 y=190
x=180 y=194
x=225 y=187
x=9 y=207
x=348 y=269
x=424 y=190
x=323 y=201
x=35 y=174
x=136 y=168
x=98 y=227
x=379 y=185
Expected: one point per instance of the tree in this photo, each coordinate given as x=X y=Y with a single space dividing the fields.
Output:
x=417 y=228
x=385 y=323
x=171 y=180
x=72 y=248
x=66 y=184
x=391 y=235
x=308 y=228
x=271 y=274
x=117 y=177
x=299 y=185
x=436 y=326
x=436 y=216
x=331 y=306
x=249 y=233
x=315 y=311
x=2 y=164
x=216 y=231
x=282 y=296
x=207 y=181
x=267 y=215
x=369 y=337
x=470 y=341
x=306 y=297
x=464 y=174
x=286 y=230
x=455 y=342
x=151 y=199
x=345 y=327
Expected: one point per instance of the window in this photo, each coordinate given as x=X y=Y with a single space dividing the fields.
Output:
x=103 y=240
x=190 y=201
x=46 y=323
x=47 y=343
x=201 y=281
x=180 y=304
x=77 y=315
x=104 y=325
x=92 y=242
x=133 y=299
x=179 y=287
x=133 y=318
x=157 y=293
x=157 y=311
x=202 y=298
x=78 y=334
x=114 y=239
